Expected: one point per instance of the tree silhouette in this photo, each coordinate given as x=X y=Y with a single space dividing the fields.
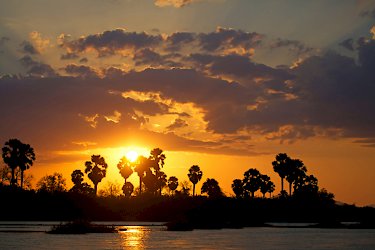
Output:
x=212 y=188
x=237 y=187
x=162 y=181
x=96 y=170
x=141 y=167
x=297 y=170
x=17 y=154
x=157 y=157
x=52 y=183
x=127 y=189
x=266 y=185
x=281 y=166
x=151 y=182
x=172 y=183
x=195 y=175
x=125 y=168
x=251 y=181
x=80 y=186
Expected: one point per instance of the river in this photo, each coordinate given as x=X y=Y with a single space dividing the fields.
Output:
x=30 y=235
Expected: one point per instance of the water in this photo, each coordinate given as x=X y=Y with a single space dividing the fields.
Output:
x=139 y=236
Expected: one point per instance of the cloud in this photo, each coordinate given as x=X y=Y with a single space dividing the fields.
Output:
x=228 y=39
x=81 y=70
x=112 y=42
x=293 y=45
x=37 y=69
x=28 y=48
x=173 y=3
x=38 y=41
x=348 y=44
x=69 y=56
x=178 y=123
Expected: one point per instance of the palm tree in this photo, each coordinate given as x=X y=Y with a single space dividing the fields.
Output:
x=158 y=158
x=251 y=181
x=17 y=154
x=172 y=183
x=96 y=169
x=195 y=175
x=125 y=168
x=266 y=185
x=142 y=166
x=281 y=166
x=237 y=187
x=212 y=188
x=297 y=170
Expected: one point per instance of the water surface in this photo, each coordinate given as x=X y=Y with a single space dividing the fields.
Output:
x=140 y=236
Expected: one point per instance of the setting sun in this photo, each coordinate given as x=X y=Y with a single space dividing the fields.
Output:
x=131 y=155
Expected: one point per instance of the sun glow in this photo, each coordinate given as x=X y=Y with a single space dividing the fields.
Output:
x=131 y=155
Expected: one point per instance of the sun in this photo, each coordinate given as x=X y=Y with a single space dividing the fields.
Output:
x=131 y=155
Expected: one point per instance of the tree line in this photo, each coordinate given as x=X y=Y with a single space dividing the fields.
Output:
x=152 y=179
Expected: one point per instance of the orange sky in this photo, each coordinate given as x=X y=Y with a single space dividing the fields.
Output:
x=223 y=84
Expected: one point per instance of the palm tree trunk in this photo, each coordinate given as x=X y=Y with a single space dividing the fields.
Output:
x=140 y=185
x=12 y=182
x=282 y=184
x=264 y=194
x=96 y=189
x=193 y=189
x=290 y=189
x=21 y=179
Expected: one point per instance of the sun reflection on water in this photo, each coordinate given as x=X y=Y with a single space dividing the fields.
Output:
x=134 y=237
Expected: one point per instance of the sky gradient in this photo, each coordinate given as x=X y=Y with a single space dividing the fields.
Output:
x=223 y=84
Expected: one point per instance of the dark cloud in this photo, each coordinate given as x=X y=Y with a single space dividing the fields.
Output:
x=293 y=45
x=37 y=69
x=113 y=42
x=28 y=48
x=178 y=123
x=348 y=44
x=81 y=70
x=83 y=60
x=224 y=39
x=178 y=39
x=151 y=58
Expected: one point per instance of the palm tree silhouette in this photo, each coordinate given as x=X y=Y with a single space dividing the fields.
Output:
x=158 y=158
x=125 y=168
x=195 y=175
x=142 y=166
x=266 y=185
x=17 y=154
x=172 y=183
x=251 y=181
x=297 y=170
x=281 y=166
x=96 y=170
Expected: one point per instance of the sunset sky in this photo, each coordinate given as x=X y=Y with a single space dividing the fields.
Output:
x=223 y=84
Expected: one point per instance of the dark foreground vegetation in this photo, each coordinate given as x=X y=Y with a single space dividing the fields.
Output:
x=183 y=212
x=81 y=227
x=160 y=199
